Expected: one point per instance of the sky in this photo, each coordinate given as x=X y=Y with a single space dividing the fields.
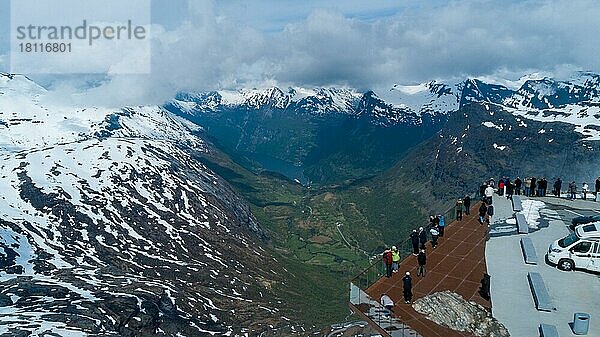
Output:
x=200 y=45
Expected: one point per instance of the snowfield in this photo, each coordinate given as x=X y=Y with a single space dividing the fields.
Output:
x=107 y=220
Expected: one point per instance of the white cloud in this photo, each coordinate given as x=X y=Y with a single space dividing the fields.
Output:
x=469 y=38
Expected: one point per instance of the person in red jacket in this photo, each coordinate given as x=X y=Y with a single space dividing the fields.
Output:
x=387 y=260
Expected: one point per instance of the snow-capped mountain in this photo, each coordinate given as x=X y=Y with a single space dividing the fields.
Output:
x=575 y=101
x=109 y=226
x=317 y=100
x=435 y=99
x=431 y=98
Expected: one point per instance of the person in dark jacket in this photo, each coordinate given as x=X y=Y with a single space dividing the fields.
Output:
x=467 y=203
x=422 y=259
x=540 y=188
x=510 y=189
x=422 y=238
x=572 y=190
x=414 y=239
x=387 y=259
x=518 y=183
x=545 y=187
x=557 y=187
x=532 y=186
x=482 y=212
x=597 y=187
x=407 y=287
x=482 y=190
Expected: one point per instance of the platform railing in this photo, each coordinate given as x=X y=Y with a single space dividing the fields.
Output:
x=370 y=309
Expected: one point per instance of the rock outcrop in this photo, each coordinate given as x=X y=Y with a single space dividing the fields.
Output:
x=452 y=311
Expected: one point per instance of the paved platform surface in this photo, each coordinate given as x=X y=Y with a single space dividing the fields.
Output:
x=457 y=264
x=571 y=292
x=503 y=209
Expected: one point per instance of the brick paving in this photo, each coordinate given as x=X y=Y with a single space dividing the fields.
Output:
x=456 y=264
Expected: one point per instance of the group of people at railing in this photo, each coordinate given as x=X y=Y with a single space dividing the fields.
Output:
x=538 y=187
x=419 y=239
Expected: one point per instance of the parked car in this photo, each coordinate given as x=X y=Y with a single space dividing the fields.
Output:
x=580 y=249
x=582 y=220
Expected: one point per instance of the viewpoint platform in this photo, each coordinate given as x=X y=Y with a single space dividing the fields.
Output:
x=529 y=295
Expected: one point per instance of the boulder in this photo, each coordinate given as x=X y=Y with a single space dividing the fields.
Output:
x=454 y=312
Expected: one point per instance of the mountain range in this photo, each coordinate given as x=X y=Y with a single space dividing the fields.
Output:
x=187 y=219
x=332 y=134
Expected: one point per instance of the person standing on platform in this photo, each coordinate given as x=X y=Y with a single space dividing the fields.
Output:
x=527 y=187
x=395 y=259
x=422 y=259
x=407 y=287
x=597 y=187
x=434 y=236
x=489 y=193
x=467 y=203
x=482 y=212
x=557 y=187
x=532 y=187
x=459 y=209
x=585 y=189
x=545 y=189
x=441 y=225
x=540 y=188
x=572 y=190
x=387 y=259
x=510 y=189
x=422 y=238
x=518 y=183
x=414 y=239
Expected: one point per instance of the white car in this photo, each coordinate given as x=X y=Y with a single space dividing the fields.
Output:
x=580 y=249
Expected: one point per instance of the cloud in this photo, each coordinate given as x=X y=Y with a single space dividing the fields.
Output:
x=211 y=50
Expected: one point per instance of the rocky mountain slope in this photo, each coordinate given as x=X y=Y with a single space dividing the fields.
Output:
x=109 y=226
x=319 y=135
x=544 y=128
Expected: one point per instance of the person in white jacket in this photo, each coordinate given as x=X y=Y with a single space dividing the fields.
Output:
x=489 y=192
x=585 y=188
x=387 y=303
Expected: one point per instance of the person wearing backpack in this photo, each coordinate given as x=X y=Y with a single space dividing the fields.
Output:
x=387 y=260
x=441 y=225
x=459 y=209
